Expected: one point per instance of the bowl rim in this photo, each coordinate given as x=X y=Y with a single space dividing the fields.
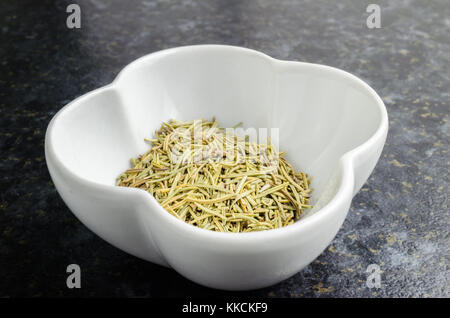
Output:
x=345 y=163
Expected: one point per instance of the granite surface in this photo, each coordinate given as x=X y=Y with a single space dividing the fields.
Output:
x=399 y=220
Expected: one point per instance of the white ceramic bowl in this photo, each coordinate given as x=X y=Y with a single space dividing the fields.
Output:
x=332 y=125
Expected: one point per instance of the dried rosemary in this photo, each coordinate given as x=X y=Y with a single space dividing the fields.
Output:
x=211 y=178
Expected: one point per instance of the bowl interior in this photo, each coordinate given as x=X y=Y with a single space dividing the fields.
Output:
x=321 y=112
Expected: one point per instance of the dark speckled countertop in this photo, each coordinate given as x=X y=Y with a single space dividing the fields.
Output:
x=400 y=220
